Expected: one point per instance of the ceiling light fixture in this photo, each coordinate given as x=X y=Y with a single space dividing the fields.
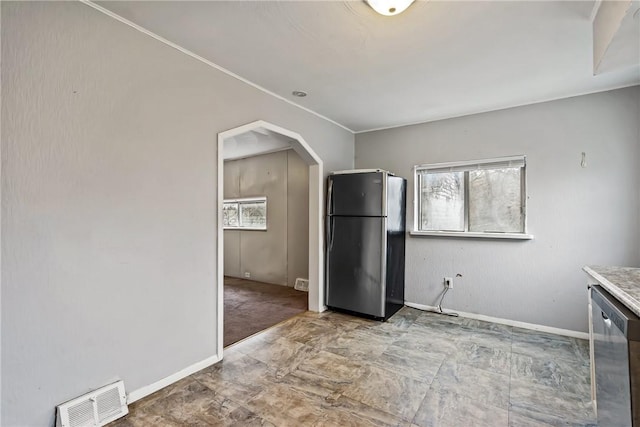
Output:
x=299 y=93
x=389 y=7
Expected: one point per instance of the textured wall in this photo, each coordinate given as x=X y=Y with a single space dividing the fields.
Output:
x=263 y=254
x=280 y=252
x=109 y=202
x=297 y=218
x=579 y=216
x=231 y=237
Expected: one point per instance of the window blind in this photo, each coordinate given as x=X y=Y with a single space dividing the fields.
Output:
x=501 y=163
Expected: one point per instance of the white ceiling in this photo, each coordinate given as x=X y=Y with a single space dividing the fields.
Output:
x=624 y=49
x=439 y=59
x=253 y=143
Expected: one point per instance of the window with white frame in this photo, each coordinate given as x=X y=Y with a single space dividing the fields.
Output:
x=480 y=198
x=245 y=214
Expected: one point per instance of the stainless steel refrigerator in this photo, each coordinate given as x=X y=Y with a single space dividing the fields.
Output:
x=366 y=217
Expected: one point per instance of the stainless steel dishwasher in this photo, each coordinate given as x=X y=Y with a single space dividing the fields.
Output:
x=616 y=335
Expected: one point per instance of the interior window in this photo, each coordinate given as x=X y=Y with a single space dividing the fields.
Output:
x=471 y=197
x=247 y=214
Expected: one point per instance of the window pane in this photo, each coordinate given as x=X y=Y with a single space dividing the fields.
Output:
x=230 y=215
x=254 y=214
x=495 y=201
x=442 y=201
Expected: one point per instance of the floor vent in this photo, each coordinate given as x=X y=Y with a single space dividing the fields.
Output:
x=96 y=408
x=302 y=285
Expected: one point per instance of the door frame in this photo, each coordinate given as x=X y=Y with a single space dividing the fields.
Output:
x=316 y=219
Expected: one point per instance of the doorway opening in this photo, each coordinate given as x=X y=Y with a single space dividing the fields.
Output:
x=248 y=141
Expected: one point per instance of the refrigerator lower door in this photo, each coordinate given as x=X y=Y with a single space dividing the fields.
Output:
x=356 y=260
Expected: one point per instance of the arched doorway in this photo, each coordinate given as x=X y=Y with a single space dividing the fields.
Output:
x=316 y=181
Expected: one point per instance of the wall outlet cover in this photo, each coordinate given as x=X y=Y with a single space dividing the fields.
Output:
x=448 y=282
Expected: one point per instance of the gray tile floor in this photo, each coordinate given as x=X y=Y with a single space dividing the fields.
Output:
x=417 y=369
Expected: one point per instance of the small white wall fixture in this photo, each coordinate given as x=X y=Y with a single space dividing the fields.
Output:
x=316 y=227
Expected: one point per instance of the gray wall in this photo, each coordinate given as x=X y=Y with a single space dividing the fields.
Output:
x=109 y=202
x=281 y=253
x=579 y=216
x=297 y=218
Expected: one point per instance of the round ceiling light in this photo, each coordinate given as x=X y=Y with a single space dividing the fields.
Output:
x=299 y=93
x=389 y=7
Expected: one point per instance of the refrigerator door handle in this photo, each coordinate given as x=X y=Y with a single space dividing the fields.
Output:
x=329 y=245
x=385 y=183
x=330 y=197
x=330 y=231
x=329 y=222
x=383 y=264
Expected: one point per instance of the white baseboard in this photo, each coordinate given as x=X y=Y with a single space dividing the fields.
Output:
x=524 y=325
x=152 y=388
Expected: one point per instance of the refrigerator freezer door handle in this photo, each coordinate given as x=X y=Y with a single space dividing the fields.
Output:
x=385 y=189
x=330 y=198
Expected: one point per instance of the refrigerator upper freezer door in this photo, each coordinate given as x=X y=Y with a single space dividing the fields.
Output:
x=356 y=260
x=396 y=204
x=360 y=194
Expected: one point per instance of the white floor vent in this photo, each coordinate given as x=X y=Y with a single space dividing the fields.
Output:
x=302 y=285
x=96 y=408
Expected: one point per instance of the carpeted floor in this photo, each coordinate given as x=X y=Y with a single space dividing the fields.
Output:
x=251 y=307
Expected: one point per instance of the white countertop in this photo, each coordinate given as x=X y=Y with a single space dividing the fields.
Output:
x=621 y=282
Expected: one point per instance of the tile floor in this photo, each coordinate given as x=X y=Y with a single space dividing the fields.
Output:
x=417 y=369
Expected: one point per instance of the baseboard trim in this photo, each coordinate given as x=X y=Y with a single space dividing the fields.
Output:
x=152 y=388
x=508 y=322
x=164 y=382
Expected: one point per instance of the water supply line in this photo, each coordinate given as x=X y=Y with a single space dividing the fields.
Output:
x=439 y=307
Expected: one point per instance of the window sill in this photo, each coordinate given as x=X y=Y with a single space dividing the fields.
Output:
x=468 y=234
x=244 y=228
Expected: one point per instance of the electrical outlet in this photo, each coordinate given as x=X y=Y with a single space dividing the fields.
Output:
x=247 y=274
x=448 y=282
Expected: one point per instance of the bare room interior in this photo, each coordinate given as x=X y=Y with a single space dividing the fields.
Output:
x=320 y=213
x=266 y=233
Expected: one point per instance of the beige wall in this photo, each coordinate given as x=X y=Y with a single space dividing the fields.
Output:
x=297 y=219
x=281 y=253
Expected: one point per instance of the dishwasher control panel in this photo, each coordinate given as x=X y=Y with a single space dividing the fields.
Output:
x=609 y=311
